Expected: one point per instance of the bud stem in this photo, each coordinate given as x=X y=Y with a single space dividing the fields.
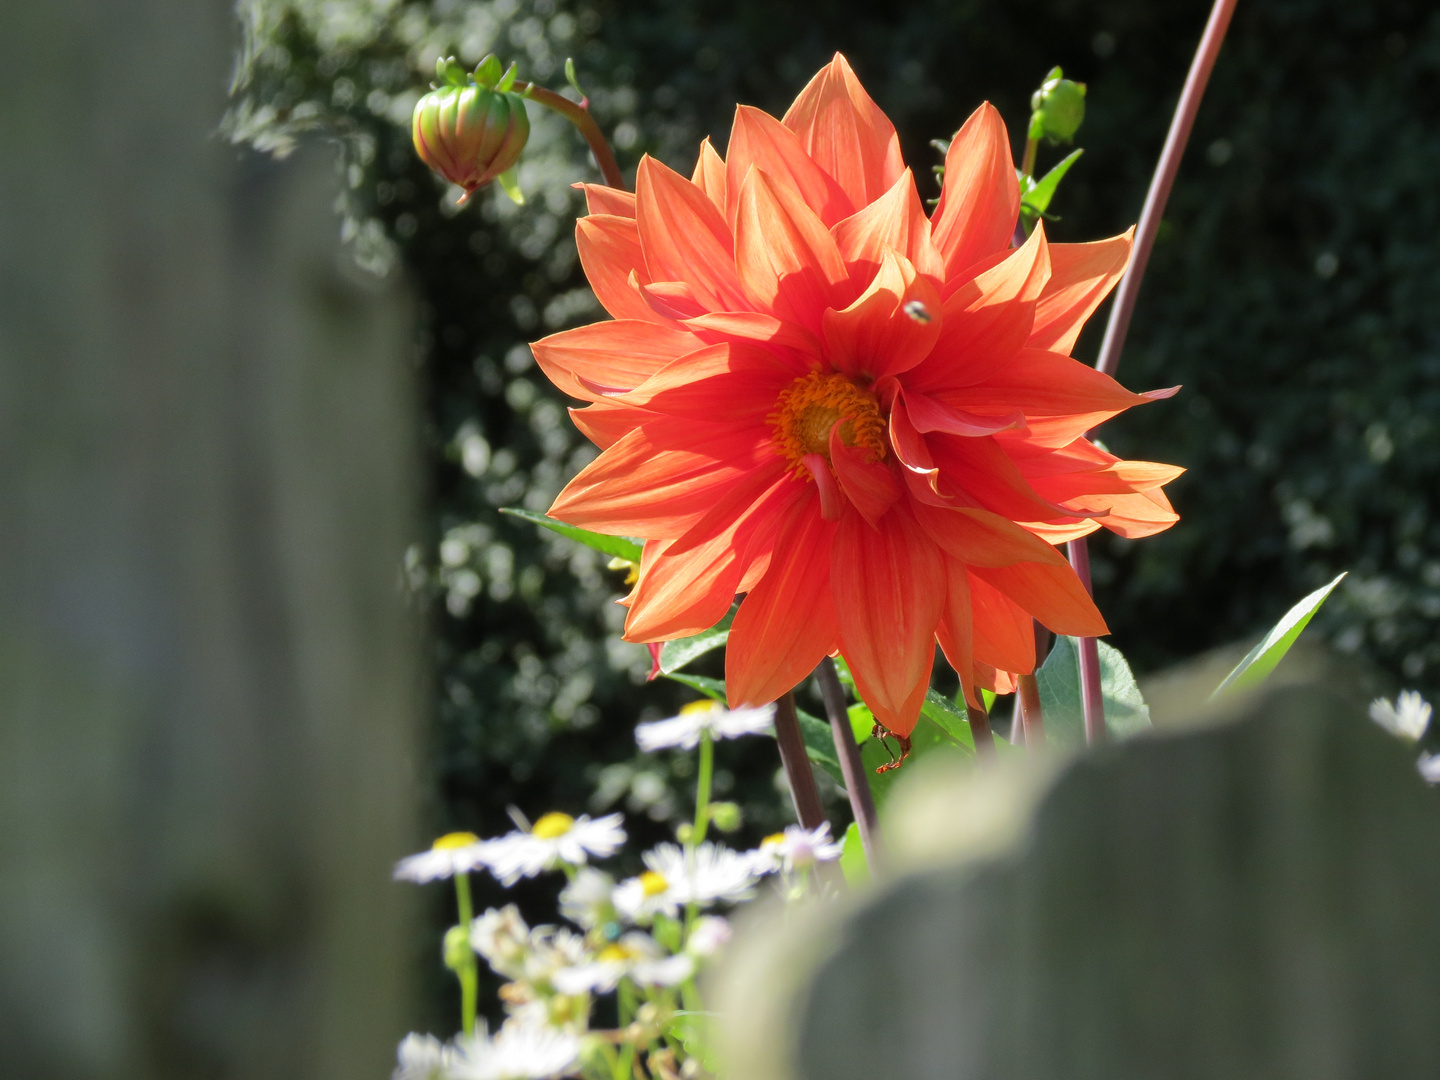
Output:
x=578 y=113
x=1027 y=163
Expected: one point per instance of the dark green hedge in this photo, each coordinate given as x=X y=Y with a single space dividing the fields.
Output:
x=1295 y=291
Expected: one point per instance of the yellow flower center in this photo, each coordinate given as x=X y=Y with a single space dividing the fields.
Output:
x=652 y=883
x=773 y=839
x=812 y=405
x=553 y=826
x=695 y=708
x=454 y=840
x=614 y=954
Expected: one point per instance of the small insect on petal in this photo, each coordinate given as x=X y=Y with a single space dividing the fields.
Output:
x=917 y=311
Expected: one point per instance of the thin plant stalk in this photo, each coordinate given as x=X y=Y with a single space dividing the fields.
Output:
x=852 y=769
x=1124 y=307
x=980 y=733
x=578 y=113
x=466 y=973
x=702 y=788
x=798 y=773
x=1032 y=717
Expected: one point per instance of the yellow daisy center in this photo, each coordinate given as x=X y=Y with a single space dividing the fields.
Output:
x=652 y=883
x=552 y=826
x=454 y=840
x=696 y=708
x=773 y=839
x=614 y=954
x=813 y=404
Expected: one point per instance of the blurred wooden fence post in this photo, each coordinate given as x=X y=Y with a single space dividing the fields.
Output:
x=208 y=678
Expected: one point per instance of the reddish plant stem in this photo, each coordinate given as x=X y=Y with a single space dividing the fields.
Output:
x=1032 y=717
x=852 y=769
x=798 y=773
x=1124 y=307
x=980 y=732
x=578 y=113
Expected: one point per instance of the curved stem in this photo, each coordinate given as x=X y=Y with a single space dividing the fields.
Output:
x=1124 y=307
x=578 y=113
x=852 y=769
x=797 y=763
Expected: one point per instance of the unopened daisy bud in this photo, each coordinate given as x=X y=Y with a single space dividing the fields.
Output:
x=1057 y=108
x=725 y=816
x=472 y=128
x=457 y=947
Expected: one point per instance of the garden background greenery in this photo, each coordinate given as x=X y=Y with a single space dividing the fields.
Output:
x=1292 y=291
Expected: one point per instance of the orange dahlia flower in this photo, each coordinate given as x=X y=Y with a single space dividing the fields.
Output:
x=865 y=420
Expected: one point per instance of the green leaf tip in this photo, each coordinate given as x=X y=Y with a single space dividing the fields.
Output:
x=619 y=547
x=509 y=182
x=487 y=72
x=570 y=76
x=1260 y=661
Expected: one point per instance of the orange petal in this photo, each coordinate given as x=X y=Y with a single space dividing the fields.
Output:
x=890 y=328
x=609 y=248
x=605 y=423
x=1134 y=515
x=980 y=538
x=889 y=587
x=997 y=682
x=623 y=353
x=685 y=238
x=986 y=320
x=690 y=583
x=1048 y=384
x=846 y=133
x=600 y=199
x=1081 y=275
x=1052 y=594
x=1004 y=633
x=869 y=486
x=980 y=201
x=896 y=220
x=644 y=485
x=735 y=382
x=930 y=414
x=755 y=326
x=709 y=175
x=759 y=140
x=787 y=260
x=786 y=622
x=956 y=629
x=671 y=300
x=980 y=469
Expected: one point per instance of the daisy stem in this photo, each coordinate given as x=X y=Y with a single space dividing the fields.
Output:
x=702 y=788
x=852 y=769
x=1118 y=326
x=578 y=113
x=798 y=773
x=466 y=971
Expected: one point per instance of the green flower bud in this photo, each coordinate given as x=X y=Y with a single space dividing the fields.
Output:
x=471 y=128
x=725 y=816
x=1057 y=108
x=457 y=947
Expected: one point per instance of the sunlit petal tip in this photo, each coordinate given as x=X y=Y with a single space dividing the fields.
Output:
x=1160 y=395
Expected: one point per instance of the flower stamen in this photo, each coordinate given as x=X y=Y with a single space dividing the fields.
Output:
x=810 y=407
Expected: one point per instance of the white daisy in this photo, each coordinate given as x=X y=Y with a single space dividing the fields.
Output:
x=683 y=732
x=795 y=849
x=454 y=853
x=422 y=1057
x=708 y=936
x=585 y=900
x=678 y=876
x=516 y=1052
x=635 y=956
x=551 y=841
x=503 y=939
x=1429 y=766
x=1408 y=717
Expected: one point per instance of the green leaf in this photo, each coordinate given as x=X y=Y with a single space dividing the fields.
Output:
x=1261 y=660
x=820 y=744
x=508 y=79
x=676 y=654
x=1059 y=681
x=862 y=722
x=711 y=688
x=1040 y=192
x=570 y=76
x=852 y=859
x=953 y=720
x=509 y=182
x=620 y=547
